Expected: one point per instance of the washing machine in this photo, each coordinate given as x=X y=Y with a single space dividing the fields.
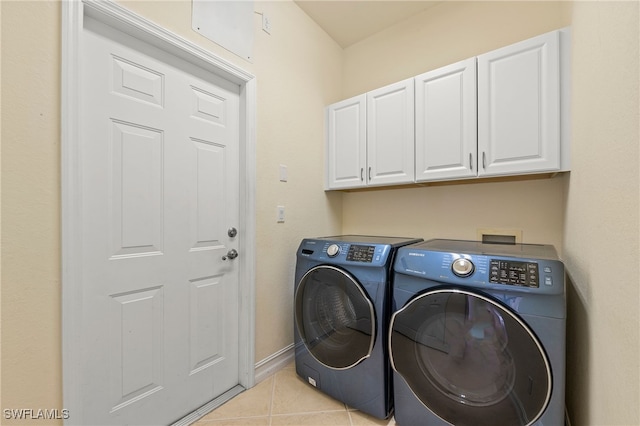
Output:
x=342 y=308
x=477 y=334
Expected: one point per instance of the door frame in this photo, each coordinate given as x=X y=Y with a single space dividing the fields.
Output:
x=121 y=19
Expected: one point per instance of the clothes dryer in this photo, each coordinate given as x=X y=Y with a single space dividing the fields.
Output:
x=477 y=336
x=342 y=308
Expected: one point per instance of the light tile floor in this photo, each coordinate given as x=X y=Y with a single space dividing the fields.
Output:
x=285 y=399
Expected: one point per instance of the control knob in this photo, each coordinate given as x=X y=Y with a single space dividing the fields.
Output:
x=333 y=250
x=462 y=267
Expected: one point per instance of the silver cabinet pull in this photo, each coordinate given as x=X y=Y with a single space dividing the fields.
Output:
x=369 y=174
x=470 y=161
x=484 y=160
x=231 y=254
x=362 y=174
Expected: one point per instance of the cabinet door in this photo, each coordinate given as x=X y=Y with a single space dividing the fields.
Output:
x=346 y=143
x=390 y=134
x=446 y=129
x=519 y=107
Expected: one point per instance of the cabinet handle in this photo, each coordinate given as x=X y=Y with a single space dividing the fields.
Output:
x=362 y=174
x=484 y=160
x=470 y=162
x=369 y=174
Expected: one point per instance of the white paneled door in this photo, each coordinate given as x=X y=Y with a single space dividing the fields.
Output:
x=160 y=189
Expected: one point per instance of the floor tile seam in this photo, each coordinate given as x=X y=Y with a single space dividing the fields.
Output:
x=350 y=417
x=295 y=413
x=223 y=419
x=302 y=413
x=272 y=394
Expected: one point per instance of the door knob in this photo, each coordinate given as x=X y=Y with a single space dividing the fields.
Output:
x=231 y=254
x=232 y=232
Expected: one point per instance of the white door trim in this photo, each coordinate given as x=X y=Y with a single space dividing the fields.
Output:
x=114 y=15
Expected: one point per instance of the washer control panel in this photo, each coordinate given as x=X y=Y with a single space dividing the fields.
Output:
x=518 y=268
x=513 y=273
x=358 y=253
x=462 y=267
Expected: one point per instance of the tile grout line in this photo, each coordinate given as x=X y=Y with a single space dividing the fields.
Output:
x=349 y=415
x=271 y=396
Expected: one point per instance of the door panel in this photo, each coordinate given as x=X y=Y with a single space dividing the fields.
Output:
x=136 y=321
x=160 y=187
x=137 y=166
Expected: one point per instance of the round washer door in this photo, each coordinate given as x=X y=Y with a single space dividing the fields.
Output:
x=335 y=317
x=469 y=359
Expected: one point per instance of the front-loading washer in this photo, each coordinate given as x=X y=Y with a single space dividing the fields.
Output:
x=477 y=334
x=342 y=308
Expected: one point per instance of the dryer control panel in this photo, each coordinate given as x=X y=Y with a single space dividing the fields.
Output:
x=360 y=253
x=513 y=273
x=343 y=253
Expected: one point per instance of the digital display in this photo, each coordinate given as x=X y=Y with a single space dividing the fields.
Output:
x=361 y=253
x=514 y=273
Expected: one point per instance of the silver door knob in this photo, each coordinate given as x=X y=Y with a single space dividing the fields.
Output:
x=231 y=254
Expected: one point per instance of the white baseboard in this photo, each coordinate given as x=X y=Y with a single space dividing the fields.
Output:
x=273 y=363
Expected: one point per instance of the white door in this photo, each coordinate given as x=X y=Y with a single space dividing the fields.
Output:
x=390 y=134
x=519 y=107
x=446 y=122
x=346 y=127
x=160 y=190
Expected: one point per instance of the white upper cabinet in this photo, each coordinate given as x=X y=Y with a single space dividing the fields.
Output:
x=346 y=136
x=503 y=113
x=519 y=108
x=446 y=121
x=370 y=138
x=390 y=134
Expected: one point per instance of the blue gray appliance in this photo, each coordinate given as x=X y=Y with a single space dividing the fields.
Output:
x=342 y=308
x=477 y=336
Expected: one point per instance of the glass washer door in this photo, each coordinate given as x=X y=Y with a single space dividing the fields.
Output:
x=335 y=317
x=469 y=359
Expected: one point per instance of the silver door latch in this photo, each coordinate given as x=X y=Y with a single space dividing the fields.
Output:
x=231 y=254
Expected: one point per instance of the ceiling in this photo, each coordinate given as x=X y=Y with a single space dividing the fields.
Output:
x=349 y=21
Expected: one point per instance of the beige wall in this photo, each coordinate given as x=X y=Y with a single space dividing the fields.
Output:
x=590 y=215
x=298 y=70
x=587 y=215
x=601 y=218
x=444 y=34
x=31 y=358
